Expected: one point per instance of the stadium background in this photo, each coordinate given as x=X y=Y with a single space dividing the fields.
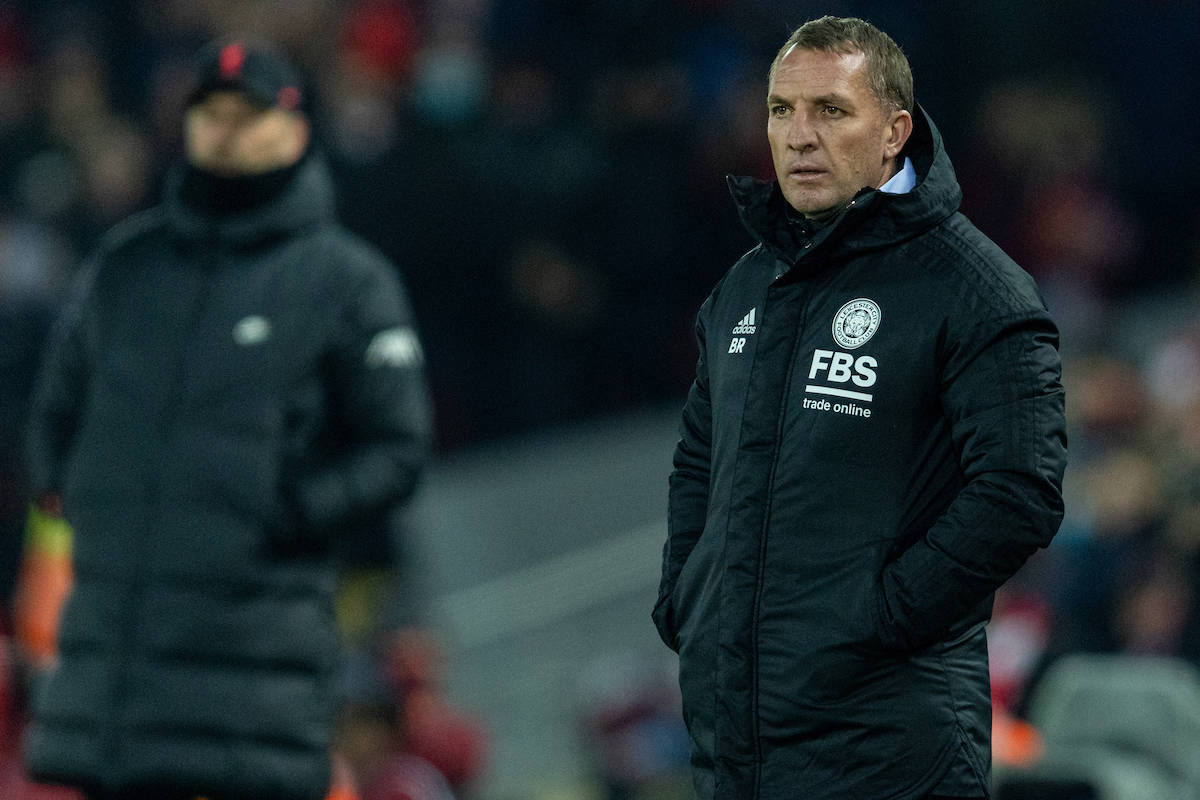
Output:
x=549 y=177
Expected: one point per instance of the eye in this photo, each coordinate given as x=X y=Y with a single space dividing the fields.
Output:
x=778 y=110
x=833 y=111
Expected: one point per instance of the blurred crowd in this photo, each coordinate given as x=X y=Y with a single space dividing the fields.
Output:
x=549 y=177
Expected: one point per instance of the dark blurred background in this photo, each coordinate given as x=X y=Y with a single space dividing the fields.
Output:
x=549 y=177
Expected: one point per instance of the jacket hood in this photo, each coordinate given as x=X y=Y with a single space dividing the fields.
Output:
x=893 y=217
x=306 y=200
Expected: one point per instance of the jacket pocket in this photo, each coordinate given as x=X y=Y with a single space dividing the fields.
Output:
x=664 y=620
x=289 y=532
x=678 y=611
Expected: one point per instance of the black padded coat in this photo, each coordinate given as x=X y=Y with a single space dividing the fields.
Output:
x=874 y=442
x=221 y=400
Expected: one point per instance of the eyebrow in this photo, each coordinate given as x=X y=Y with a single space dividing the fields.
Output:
x=833 y=99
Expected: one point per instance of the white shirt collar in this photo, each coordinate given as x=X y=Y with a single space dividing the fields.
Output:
x=903 y=181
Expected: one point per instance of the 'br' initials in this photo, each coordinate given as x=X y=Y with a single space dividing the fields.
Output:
x=737 y=344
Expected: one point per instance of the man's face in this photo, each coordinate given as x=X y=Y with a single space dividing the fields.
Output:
x=227 y=134
x=829 y=134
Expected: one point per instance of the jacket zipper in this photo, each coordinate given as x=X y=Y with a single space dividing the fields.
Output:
x=762 y=541
x=165 y=427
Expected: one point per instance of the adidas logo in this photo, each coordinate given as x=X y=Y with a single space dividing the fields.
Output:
x=747 y=324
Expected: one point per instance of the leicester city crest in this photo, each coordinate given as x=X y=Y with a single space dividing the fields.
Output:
x=855 y=323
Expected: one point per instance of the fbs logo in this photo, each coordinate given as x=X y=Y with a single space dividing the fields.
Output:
x=843 y=369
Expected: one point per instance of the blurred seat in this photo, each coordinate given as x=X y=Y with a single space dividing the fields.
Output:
x=1114 y=727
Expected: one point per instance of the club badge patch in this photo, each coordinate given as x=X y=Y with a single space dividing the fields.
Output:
x=855 y=323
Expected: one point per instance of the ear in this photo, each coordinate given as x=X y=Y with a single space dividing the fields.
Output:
x=898 y=131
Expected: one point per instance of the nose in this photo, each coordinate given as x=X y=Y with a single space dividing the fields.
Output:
x=801 y=135
x=225 y=127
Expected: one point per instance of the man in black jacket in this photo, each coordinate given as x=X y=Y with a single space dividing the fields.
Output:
x=236 y=384
x=874 y=443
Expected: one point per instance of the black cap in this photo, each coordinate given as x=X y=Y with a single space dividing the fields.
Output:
x=252 y=67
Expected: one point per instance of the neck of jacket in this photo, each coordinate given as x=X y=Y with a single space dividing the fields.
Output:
x=284 y=204
x=871 y=220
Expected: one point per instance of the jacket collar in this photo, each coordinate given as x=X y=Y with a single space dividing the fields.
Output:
x=872 y=220
x=307 y=200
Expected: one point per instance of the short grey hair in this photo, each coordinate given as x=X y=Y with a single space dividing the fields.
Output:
x=888 y=72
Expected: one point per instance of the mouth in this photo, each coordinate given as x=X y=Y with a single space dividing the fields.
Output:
x=803 y=173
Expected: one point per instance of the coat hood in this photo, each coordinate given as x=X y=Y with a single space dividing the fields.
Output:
x=893 y=217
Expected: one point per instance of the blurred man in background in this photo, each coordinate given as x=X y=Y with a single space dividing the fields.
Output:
x=874 y=442
x=236 y=385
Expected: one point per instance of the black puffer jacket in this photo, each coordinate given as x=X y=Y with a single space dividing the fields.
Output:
x=873 y=444
x=222 y=399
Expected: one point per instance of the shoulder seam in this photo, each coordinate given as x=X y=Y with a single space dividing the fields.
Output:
x=130 y=229
x=974 y=267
